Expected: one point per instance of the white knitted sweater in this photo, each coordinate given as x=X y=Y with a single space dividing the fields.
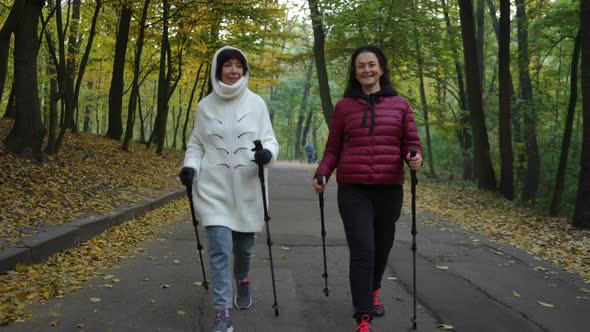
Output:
x=227 y=190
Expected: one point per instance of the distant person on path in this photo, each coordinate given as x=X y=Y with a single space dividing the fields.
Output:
x=371 y=135
x=310 y=152
x=226 y=187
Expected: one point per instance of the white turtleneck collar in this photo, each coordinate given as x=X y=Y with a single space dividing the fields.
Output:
x=231 y=91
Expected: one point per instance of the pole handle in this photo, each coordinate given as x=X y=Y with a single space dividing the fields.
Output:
x=257 y=145
x=413 y=153
x=320 y=179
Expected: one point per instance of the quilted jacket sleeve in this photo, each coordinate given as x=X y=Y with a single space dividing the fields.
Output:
x=410 y=139
x=333 y=144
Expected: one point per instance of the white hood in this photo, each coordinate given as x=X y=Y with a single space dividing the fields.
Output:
x=229 y=91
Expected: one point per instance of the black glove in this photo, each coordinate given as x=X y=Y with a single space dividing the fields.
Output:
x=262 y=156
x=186 y=175
x=320 y=179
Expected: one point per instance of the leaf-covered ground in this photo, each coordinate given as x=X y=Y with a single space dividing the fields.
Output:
x=93 y=176
x=554 y=239
x=67 y=270
x=90 y=176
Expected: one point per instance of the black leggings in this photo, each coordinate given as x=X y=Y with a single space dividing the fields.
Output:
x=369 y=214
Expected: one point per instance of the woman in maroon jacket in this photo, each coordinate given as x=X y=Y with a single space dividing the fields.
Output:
x=371 y=135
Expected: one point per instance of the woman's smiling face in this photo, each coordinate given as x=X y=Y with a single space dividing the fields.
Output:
x=368 y=72
x=232 y=71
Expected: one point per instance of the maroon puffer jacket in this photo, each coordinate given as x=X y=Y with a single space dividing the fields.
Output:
x=363 y=157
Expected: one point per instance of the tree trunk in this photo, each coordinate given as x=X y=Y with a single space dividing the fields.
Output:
x=86 y=55
x=150 y=113
x=306 y=127
x=86 y=123
x=480 y=40
x=159 y=133
x=60 y=64
x=173 y=127
x=516 y=123
x=97 y=118
x=117 y=80
x=582 y=211
x=178 y=117
x=99 y=105
x=271 y=111
x=567 y=131
x=10 y=106
x=483 y=161
x=206 y=80
x=529 y=118
x=463 y=134
x=190 y=106
x=5 y=34
x=135 y=83
x=299 y=138
x=168 y=85
x=320 y=60
x=424 y=102
x=53 y=86
x=28 y=130
x=505 y=132
x=141 y=120
x=66 y=68
x=73 y=49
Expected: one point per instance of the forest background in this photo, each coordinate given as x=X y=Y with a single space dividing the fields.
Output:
x=495 y=84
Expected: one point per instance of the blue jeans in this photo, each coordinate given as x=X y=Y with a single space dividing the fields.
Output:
x=222 y=241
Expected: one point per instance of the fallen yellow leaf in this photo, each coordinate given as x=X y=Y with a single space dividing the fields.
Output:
x=445 y=327
x=548 y=305
x=94 y=299
x=515 y=294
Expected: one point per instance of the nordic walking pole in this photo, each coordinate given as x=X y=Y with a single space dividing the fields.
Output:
x=414 y=182
x=189 y=190
x=320 y=180
x=258 y=147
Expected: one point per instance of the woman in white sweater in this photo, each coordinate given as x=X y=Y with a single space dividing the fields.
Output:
x=226 y=188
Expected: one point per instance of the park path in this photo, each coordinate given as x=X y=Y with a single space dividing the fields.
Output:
x=464 y=280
